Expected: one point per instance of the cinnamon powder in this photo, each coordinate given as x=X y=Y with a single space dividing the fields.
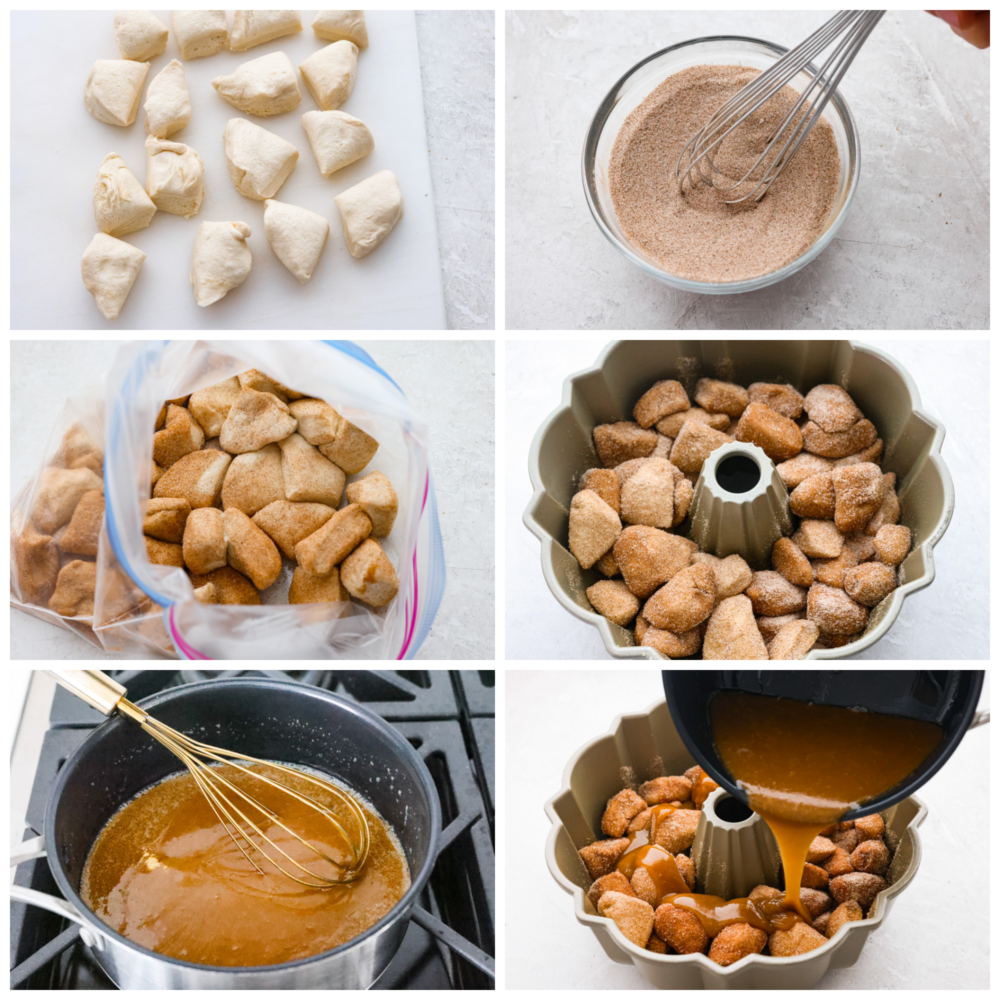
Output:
x=695 y=235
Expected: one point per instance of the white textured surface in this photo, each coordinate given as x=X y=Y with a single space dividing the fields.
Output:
x=904 y=258
x=457 y=62
x=937 y=935
x=450 y=382
x=57 y=148
x=947 y=620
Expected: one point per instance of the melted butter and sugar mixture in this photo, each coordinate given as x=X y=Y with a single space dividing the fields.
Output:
x=165 y=874
x=803 y=766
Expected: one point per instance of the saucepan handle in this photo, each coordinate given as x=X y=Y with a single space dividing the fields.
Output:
x=27 y=851
x=92 y=686
x=980 y=719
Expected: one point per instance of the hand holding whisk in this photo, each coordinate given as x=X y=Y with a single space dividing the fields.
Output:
x=847 y=30
x=240 y=812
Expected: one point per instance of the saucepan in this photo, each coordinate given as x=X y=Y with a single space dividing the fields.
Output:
x=275 y=720
x=945 y=697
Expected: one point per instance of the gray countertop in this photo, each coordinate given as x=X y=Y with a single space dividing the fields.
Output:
x=457 y=63
x=450 y=382
x=950 y=619
x=913 y=252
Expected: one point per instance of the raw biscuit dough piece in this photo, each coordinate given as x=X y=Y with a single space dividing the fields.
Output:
x=74 y=594
x=259 y=161
x=168 y=103
x=110 y=268
x=264 y=86
x=333 y=25
x=59 y=491
x=121 y=205
x=200 y=33
x=369 y=576
x=307 y=588
x=140 y=34
x=255 y=419
x=175 y=177
x=337 y=139
x=308 y=476
x=254 y=27
x=210 y=406
x=204 y=540
x=249 y=550
x=370 y=211
x=220 y=261
x=330 y=74
x=297 y=237
x=114 y=89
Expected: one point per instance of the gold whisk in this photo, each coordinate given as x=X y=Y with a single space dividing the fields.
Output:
x=106 y=695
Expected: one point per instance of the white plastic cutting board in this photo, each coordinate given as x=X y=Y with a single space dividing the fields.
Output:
x=57 y=148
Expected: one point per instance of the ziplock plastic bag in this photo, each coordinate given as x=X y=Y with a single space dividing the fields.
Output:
x=161 y=611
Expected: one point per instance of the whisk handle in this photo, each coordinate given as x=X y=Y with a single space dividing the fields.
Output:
x=92 y=686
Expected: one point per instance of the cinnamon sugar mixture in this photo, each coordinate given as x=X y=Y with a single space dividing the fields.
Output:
x=696 y=235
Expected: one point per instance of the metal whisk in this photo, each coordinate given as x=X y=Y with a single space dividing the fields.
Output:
x=229 y=801
x=848 y=29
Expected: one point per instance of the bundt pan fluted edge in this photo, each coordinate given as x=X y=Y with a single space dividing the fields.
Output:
x=563 y=449
x=646 y=745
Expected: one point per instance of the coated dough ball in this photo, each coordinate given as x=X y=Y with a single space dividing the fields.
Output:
x=264 y=86
x=110 y=268
x=221 y=260
x=175 y=177
x=168 y=103
x=337 y=139
x=259 y=161
x=121 y=206
x=297 y=237
x=330 y=73
x=113 y=90
x=370 y=210
x=333 y=25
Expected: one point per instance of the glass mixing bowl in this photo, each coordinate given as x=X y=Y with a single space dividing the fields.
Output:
x=633 y=88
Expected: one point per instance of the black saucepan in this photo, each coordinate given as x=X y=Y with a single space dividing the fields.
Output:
x=276 y=720
x=946 y=697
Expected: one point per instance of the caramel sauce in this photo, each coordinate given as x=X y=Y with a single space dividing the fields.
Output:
x=714 y=912
x=165 y=873
x=659 y=864
x=702 y=787
x=803 y=766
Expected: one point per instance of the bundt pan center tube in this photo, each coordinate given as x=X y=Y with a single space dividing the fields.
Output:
x=729 y=510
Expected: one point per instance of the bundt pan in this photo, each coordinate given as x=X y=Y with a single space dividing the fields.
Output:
x=730 y=859
x=563 y=449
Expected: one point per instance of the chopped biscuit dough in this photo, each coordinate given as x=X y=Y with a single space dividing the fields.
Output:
x=297 y=237
x=164 y=553
x=334 y=25
x=370 y=211
x=309 y=589
x=308 y=475
x=175 y=177
x=249 y=551
x=74 y=593
x=337 y=139
x=204 y=547
x=140 y=34
x=259 y=161
x=207 y=594
x=319 y=423
x=58 y=493
x=286 y=523
x=83 y=533
x=334 y=541
x=330 y=74
x=254 y=379
x=121 y=205
x=210 y=406
x=114 y=89
x=78 y=450
x=255 y=419
x=376 y=497
x=265 y=86
x=109 y=269
x=200 y=33
x=196 y=478
x=168 y=103
x=181 y=436
x=254 y=480
x=165 y=519
x=220 y=261
x=230 y=587
x=255 y=27
x=369 y=576
x=36 y=559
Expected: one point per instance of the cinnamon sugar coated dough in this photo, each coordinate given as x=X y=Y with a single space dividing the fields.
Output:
x=695 y=235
